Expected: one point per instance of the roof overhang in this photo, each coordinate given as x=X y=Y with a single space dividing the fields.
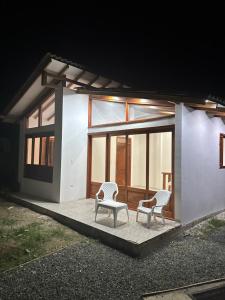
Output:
x=83 y=81
x=34 y=88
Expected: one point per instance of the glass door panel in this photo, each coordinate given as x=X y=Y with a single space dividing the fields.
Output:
x=160 y=161
x=136 y=161
x=98 y=164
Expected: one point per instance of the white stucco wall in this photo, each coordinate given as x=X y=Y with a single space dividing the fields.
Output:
x=199 y=182
x=44 y=190
x=74 y=146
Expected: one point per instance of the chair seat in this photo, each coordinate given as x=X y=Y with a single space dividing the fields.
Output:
x=111 y=203
x=147 y=210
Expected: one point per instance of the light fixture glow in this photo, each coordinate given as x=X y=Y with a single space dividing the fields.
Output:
x=144 y=100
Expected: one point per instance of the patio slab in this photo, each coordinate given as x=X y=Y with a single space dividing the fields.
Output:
x=133 y=238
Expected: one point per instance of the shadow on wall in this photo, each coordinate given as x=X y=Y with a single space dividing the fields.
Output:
x=9 y=152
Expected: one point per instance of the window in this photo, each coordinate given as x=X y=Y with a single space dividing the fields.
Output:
x=43 y=115
x=105 y=112
x=139 y=112
x=48 y=111
x=43 y=150
x=222 y=150
x=36 y=150
x=29 y=151
x=40 y=151
x=33 y=119
x=51 y=142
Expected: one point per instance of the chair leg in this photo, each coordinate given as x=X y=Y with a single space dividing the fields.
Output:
x=137 y=216
x=163 y=219
x=115 y=217
x=96 y=211
x=149 y=220
x=127 y=214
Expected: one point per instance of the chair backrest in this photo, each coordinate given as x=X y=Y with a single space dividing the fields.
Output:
x=162 y=197
x=110 y=189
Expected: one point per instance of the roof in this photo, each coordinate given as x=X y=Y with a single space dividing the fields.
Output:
x=86 y=82
x=33 y=88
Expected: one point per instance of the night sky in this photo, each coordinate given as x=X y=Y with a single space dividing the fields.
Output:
x=160 y=47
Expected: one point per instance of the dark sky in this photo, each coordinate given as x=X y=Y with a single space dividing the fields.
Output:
x=159 y=47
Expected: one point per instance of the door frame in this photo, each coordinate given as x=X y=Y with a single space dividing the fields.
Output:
x=92 y=187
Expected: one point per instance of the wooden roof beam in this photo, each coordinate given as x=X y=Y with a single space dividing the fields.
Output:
x=106 y=84
x=76 y=78
x=93 y=80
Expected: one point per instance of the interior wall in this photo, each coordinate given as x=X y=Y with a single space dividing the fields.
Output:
x=98 y=159
x=199 y=182
x=74 y=146
x=160 y=158
x=138 y=160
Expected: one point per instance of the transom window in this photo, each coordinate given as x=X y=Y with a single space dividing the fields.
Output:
x=119 y=110
x=43 y=115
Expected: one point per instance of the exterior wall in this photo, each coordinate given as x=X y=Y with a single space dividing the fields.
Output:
x=48 y=191
x=199 y=182
x=74 y=146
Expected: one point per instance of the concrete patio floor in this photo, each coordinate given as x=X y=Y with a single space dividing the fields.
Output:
x=133 y=238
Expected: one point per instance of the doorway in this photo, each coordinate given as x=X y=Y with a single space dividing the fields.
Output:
x=141 y=163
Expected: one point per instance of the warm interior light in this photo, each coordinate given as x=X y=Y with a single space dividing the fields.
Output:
x=144 y=100
x=169 y=112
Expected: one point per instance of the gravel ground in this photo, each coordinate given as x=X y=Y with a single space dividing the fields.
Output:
x=94 y=271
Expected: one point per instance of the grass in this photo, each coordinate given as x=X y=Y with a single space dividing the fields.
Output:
x=7 y=222
x=24 y=236
x=212 y=225
x=26 y=243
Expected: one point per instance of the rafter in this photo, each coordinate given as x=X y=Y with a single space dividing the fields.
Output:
x=76 y=78
x=218 y=112
x=106 y=84
x=51 y=116
x=93 y=80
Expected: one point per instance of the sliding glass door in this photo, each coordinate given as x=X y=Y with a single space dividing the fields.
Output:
x=141 y=163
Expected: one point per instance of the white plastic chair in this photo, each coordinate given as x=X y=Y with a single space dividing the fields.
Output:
x=110 y=192
x=162 y=199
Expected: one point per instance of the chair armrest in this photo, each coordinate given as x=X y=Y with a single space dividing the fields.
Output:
x=145 y=201
x=96 y=196
x=114 y=198
x=153 y=207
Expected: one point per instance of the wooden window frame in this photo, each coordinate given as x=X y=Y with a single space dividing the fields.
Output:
x=127 y=103
x=38 y=107
x=221 y=151
x=148 y=193
x=38 y=172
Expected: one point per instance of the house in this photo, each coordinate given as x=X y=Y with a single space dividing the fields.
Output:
x=79 y=129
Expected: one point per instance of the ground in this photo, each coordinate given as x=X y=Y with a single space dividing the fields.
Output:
x=26 y=235
x=90 y=270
